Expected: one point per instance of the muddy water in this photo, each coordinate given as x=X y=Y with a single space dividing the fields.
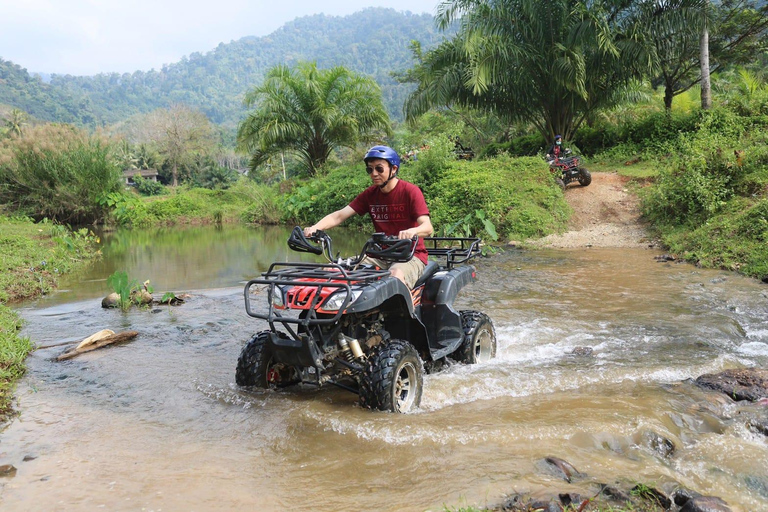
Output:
x=159 y=424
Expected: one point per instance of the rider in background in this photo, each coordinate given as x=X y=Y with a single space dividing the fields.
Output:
x=397 y=208
x=556 y=151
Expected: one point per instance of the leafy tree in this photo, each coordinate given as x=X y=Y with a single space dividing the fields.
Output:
x=310 y=112
x=693 y=38
x=180 y=134
x=552 y=64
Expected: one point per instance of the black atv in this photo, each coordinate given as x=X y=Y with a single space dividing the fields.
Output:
x=357 y=327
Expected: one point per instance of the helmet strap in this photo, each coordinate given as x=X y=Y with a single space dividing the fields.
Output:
x=391 y=176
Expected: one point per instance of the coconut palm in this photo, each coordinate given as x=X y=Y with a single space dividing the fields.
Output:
x=310 y=112
x=552 y=64
x=16 y=121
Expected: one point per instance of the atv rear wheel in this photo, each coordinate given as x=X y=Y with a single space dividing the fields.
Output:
x=393 y=378
x=585 y=178
x=255 y=366
x=479 y=345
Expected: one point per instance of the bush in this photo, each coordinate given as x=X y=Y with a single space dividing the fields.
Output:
x=58 y=172
x=147 y=187
x=517 y=195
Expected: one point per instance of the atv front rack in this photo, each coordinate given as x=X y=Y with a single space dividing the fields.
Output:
x=317 y=275
x=455 y=250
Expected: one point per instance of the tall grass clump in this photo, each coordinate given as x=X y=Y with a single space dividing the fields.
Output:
x=58 y=172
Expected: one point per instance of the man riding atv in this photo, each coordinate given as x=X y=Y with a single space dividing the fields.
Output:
x=397 y=208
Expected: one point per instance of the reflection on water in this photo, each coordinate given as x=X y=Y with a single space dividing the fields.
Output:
x=158 y=423
x=179 y=260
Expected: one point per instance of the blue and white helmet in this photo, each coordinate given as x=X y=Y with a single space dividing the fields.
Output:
x=385 y=153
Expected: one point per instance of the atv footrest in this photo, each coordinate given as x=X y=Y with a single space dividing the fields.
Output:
x=295 y=352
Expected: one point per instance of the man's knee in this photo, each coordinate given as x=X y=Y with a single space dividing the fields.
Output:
x=398 y=273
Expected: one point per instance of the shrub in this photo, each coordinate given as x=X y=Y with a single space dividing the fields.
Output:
x=58 y=172
x=517 y=196
x=149 y=187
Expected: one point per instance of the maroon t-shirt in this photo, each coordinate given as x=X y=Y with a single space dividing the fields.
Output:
x=394 y=211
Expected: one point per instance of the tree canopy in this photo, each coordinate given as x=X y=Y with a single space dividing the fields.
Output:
x=310 y=112
x=551 y=63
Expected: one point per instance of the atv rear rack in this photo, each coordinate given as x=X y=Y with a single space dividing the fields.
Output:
x=318 y=275
x=455 y=250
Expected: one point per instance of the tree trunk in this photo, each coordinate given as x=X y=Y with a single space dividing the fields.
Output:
x=669 y=95
x=175 y=173
x=706 y=86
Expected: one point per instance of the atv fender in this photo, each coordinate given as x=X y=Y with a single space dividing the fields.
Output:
x=393 y=299
x=377 y=292
x=443 y=323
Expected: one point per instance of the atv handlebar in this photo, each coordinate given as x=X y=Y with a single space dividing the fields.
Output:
x=390 y=248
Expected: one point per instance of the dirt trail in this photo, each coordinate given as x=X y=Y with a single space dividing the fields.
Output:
x=605 y=214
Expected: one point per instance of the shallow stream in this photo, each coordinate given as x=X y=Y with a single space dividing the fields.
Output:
x=159 y=424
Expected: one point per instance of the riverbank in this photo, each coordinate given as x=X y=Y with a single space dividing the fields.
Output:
x=34 y=256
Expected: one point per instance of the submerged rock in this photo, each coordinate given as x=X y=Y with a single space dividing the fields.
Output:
x=565 y=468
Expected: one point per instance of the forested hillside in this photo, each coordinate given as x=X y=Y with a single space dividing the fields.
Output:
x=374 y=41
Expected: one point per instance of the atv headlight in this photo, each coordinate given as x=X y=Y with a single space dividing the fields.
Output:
x=336 y=300
x=277 y=297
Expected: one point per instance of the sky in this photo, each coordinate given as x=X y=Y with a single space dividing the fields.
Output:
x=86 y=37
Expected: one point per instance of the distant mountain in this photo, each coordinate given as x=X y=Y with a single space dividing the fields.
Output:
x=373 y=42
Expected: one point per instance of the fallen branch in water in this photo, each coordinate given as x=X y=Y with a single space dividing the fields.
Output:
x=98 y=340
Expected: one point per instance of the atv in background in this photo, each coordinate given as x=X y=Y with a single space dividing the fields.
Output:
x=356 y=327
x=568 y=169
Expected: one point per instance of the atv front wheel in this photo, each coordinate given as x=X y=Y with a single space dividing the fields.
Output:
x=560 y=183
x=479 y=345
x=255 y=366
x=585 y=178
x=393 y=378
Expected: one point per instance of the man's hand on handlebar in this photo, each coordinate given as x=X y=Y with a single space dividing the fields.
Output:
x=310 y=231
x=408 y=234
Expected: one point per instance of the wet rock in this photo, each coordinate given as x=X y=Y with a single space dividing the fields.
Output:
x=28 y=458
x=659 y=444
x=652 y=495
x=682 y=496
x=705 y=504
x=565 y=468
x=665 y=257
x=7 y=470
x=111 y=301
x=582 y=351
x=758 y=426
x=739 y=384
x=142 y=297
x=571 y=499
x=614 y=493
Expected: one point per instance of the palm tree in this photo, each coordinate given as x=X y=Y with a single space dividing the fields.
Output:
x=310 y=112
x=16 y=121
x=552 y=64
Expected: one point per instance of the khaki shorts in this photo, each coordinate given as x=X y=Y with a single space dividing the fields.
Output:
x=412 y=269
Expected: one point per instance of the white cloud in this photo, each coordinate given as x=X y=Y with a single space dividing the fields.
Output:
x=84 y=37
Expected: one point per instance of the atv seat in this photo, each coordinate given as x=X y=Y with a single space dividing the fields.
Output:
x=429 y=271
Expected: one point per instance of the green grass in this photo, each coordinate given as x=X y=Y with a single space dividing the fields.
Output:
x=33 y=257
